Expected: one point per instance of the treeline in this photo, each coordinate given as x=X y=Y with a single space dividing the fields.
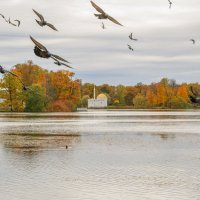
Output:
x=59 y=92
x=164 y=94
x=48 y=91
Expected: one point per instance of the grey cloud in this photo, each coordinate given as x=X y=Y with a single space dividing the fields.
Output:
x=163 y=49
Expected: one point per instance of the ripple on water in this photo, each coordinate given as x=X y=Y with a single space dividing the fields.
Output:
x=111 y=155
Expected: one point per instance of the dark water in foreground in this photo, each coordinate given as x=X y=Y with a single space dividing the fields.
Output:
x=111 y=155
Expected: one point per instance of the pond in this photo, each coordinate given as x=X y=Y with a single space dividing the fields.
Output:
x=100 y=155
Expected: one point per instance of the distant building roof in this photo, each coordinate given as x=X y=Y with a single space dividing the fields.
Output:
x=101 y=96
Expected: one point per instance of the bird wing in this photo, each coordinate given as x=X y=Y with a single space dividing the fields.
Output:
x=39 y=15
x=13 y=24
x=114 y=20
x=97 y=8
x=2 y=15
x=51 y=26
x=66 y=65
x=130 y=36
x=38 y=44
x=18 y=22
x=55 y=57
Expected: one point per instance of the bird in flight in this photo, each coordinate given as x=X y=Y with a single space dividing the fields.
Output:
x=11 y=22
x=131 y=37
x=57 y=62
x=130 y=47
x=193 y=41
x=41 y=51
x=42 y=22
x=103 y=26
x=103 y=15
x=16 y=20
x=2 y=16
x=3 y=71
x=170 y=3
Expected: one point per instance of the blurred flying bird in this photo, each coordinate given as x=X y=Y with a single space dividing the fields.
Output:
x=11 y=22
x=170 y=3
x=57 y=62
x=104 y=15
x=42 y=22
x=130 y=47
x=2 y=16
x=193 y=41
x=103 y=26
x=3 y=71
x=41 y=51
x=131 y=37
x=16 y=20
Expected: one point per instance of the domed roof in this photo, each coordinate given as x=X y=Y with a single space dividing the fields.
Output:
x=101 y=96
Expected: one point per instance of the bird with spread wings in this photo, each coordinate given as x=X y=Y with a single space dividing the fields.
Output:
x=42 y=21
x=103 y=15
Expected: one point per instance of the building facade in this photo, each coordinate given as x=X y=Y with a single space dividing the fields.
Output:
x=100 y=102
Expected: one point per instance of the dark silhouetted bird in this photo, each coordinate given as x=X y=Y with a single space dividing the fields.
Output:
x=42 y=22
x=130 y=47
x=104 y=15
x=16 y=20
x=3 y=71
x=195 y=95
x=42 y=51
x=57 y=62
x=11 y=22
x=193 y=41
x=2 y=16
x=103 y=26
x=170 y=3
x=131 y=37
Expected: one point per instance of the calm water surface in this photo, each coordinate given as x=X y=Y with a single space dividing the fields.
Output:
x=111 y=155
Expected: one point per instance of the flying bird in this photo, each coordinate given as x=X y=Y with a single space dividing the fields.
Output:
x=131 y=37
x=41 y=51
x=193 y=41
x=42 y=22
x=103 y=15
x=103 y=26
x=130 y=47
x=57 y=62
x=3 y=71
x=11 y=22
x=2 y=16
x=24 y=87
x=16 y=20
x=170 y=3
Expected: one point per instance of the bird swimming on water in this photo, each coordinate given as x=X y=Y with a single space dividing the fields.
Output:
x=104 y=15
x=42 y=22
x=41 y=51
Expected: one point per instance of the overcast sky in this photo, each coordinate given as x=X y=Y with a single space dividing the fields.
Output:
x=102 y=56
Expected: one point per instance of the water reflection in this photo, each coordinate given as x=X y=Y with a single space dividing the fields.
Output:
x=38 y=141
x=165 y=136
